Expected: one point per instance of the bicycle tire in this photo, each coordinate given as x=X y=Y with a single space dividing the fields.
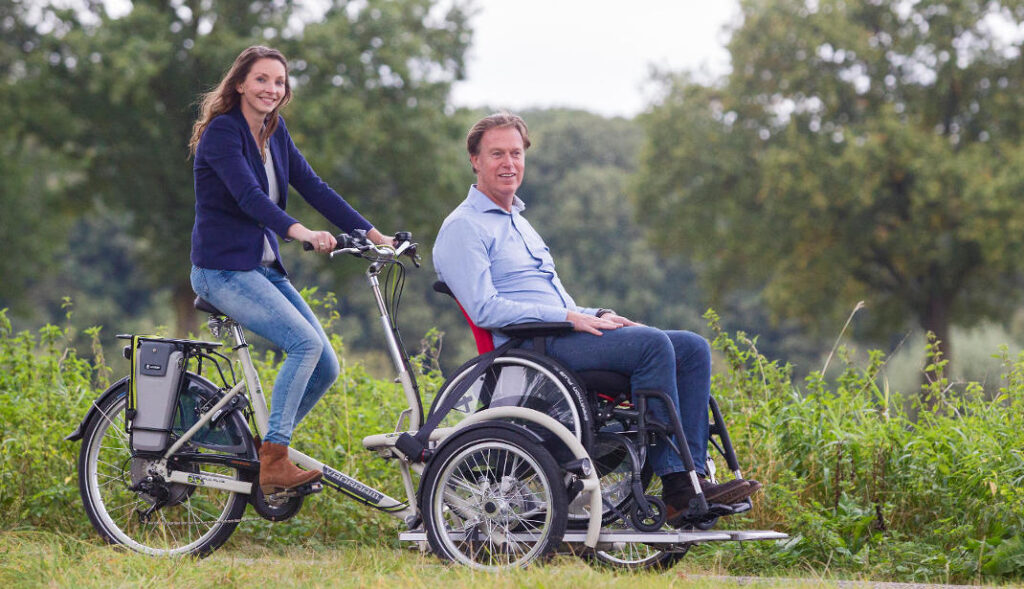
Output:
x=196 y=521
x=503 y=482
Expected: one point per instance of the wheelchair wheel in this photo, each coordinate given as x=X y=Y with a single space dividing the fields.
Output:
x=115 y=490
x=493 y=499
x=636 y=555
x=611 y=459
x=523 y=378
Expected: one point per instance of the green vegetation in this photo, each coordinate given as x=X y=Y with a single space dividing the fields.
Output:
x=101 y=111
x=51 y=560
x=868 y=482
x=857 y=151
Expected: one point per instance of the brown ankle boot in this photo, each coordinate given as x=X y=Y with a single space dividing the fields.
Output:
x=277 y=473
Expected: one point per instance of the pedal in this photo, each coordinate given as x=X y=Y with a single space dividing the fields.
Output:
x=280 y=497
x=311 y=488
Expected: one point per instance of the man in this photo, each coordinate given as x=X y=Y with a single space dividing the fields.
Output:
x=501 y=271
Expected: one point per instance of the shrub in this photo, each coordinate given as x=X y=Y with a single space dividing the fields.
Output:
x=926 y=487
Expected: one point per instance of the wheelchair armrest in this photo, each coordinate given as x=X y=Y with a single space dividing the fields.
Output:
x=531 y=330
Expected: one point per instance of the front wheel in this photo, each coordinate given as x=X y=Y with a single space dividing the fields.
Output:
x=188 y=519
x=493 y=499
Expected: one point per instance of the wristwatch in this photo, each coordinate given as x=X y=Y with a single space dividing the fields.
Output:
x=603 y=312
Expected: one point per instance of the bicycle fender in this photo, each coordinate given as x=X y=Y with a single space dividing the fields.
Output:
x=117 y=388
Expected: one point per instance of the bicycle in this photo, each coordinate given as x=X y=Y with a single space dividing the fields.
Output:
x=492 y=494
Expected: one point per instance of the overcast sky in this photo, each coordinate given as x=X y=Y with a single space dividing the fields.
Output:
x=590 y=54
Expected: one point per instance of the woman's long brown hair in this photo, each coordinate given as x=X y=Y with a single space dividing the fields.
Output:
x=225 y=96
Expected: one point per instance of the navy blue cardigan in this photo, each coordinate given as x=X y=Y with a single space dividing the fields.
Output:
x=233 y=211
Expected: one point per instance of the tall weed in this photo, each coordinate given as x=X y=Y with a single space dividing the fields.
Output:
x=929 y=486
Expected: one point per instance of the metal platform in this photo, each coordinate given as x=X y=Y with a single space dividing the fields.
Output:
x=629 y=536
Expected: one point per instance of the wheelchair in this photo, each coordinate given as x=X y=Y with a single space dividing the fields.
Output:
x=606 y=418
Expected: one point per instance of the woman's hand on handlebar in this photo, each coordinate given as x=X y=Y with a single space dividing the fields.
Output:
x=321 y=241
x=380 y=239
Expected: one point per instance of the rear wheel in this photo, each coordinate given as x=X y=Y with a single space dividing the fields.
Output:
x=493 y=499
x=118 y=489
x=636 y=555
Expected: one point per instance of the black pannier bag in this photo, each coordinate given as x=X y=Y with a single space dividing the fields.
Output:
x=156 y=379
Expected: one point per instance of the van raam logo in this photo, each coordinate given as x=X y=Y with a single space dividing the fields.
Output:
x=352 y=486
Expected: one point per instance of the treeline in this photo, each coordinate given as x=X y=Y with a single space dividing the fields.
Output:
x=857 y=151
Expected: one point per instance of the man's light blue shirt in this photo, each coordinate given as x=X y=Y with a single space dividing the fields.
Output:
x=498 y=267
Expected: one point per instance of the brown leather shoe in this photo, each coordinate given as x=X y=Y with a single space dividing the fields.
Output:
x=729 y=492
x=277 y=473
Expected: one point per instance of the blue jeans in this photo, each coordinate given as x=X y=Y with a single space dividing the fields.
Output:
x=265 y=302
x=675 y=362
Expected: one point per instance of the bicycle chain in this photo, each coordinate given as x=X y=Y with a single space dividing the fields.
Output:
x=215 y=521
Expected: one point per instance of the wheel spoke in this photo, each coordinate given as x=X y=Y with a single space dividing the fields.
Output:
x=509 y=498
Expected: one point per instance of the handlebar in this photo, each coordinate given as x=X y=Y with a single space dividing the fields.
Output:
x=360 y=246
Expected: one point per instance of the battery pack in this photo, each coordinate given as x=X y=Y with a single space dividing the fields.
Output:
x=157 y=368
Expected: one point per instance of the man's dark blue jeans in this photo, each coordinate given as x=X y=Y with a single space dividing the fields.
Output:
x=676 y=362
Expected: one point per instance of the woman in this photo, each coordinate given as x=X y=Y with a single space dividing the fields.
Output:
x=244 y=162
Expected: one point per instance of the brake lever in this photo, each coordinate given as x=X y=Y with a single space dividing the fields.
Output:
x=408 y=248
x=345 y=250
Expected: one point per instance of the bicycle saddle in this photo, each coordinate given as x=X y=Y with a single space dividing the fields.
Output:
x=206 y=306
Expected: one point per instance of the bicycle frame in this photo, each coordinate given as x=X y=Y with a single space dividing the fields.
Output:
x=250 y=384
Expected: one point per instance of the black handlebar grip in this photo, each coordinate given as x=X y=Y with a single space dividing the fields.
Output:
x=344 y=240
x=402 y=236
x=307 y=246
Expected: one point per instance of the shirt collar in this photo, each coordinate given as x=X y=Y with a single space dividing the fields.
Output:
x=480 y=202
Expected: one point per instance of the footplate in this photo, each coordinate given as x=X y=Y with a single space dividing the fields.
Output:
x=629 y=536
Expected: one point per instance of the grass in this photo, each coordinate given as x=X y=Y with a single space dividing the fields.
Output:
x=44 y=559
x=47 y=559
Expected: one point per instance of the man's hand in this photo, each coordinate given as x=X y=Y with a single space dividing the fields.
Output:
x=619 y=319
x=591 y=324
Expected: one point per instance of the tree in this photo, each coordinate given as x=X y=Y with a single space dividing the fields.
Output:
x=126 y=90
x=575 y=191
x=858 y=150
x=35 y=216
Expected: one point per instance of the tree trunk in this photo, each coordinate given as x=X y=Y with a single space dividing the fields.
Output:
x=936 y=320
x=185 y=314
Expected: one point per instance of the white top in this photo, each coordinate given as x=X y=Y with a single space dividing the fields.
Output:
x=275 y=197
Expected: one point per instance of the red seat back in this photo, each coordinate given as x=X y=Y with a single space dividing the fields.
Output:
x=483 y=337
